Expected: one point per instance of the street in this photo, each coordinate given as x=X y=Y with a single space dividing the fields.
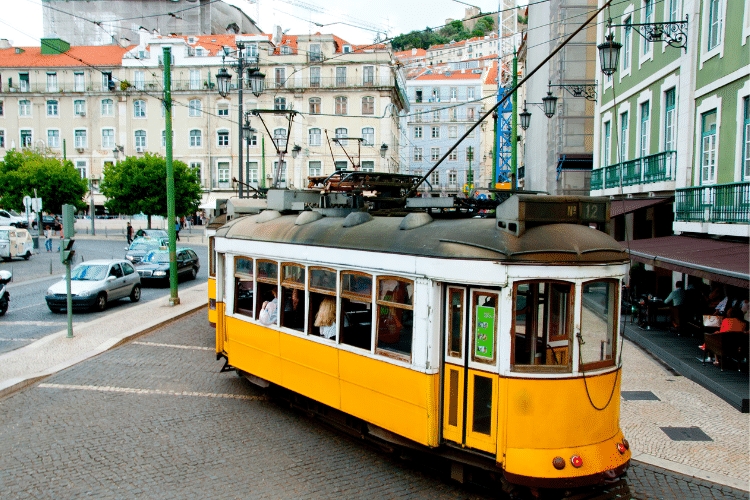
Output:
x=28 y=318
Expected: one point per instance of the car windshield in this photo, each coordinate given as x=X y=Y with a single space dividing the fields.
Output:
x=89 y=272
x=14 y=213
x=157 y=257
x=4 y=235
x=144 y=244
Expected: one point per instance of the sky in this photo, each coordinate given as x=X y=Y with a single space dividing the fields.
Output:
x=357 y=21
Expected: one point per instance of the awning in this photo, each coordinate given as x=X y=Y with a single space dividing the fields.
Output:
x=723 y=261
x=619 y=207
x=209 y=200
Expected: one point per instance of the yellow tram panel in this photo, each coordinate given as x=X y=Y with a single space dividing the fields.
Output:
x=213 y=314
x=395 y=398
x=453 y=403
x=254 y=349
x=221 y=330
x=474 y=438
x=311 y=369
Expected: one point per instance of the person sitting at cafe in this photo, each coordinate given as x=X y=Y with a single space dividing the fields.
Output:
x=675 y=301
x=733 y=323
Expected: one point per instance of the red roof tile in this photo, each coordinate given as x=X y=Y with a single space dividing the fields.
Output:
x=96 y=55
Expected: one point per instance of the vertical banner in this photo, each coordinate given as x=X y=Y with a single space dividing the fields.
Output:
x=484 y=334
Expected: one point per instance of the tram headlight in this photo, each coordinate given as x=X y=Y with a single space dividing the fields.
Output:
x=576 y=461
x=558 y=463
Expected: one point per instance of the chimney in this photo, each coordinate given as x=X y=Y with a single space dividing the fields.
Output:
x=276 y=40
x=5 y=43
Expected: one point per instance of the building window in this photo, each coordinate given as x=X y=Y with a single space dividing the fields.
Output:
x=670 y=121
x=671 y=11
x=139 y=109
x=313 y=137
x=24 y=107
x=368 y=136
x=417 y=154
x=368 y=105
x=195 y=138
x=107 y=81
x=223 y=172
x=453 y=114
x=314 y=105
x=645 y=129
x=280 y=77
x=368 y=75
x=341 y=106
x=340 y=76
x=279 y=138
x=82 y=168
x=26 y=138
x=223 y=110
x=470 y=93
x=195 y=167
x=435 y=132
x=314 y=169
x=53 y=138
x=139 y=79
x=452 y=132
x=627 y=35
x=195 y=79
x=52 y=82
x=194 y=107
x=470 y=114
x=453 y=155
x=368 y=166
x=2 y=112
x=435 y=178
x=714 y=23
x=746 y=139
x=454 y=93
x=223 y=138
x=282 y=174
x=52 y=108
x=435 y=94
x=452 y=178
x=164 y=138
x=315 y=77
x=418 y=95
x=80 y=138
x=79 y=84
x=252 y=172
x=279 y=103
x=648 y=18
x=2 y=139
x=624 y=136
x=434 y=154
x=708 y=147
x=108 y=107
x=140 y=139
x=435 y=115
x=417 y=132
x=340 y=133
x=605 y=143
x=315 y=53
x=339 y=165
x=79 y=107
x=108 y=138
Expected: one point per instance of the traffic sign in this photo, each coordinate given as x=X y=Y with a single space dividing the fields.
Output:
x=27 y=202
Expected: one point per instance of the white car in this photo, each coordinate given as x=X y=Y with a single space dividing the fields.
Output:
x=11 y=218
x=94 y=283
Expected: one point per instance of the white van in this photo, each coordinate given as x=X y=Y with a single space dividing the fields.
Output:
x=15 y=242
x=11 y=218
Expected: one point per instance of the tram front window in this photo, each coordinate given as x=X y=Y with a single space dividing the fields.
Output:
x=598 y=323
x=542 y=325
x=395 y=315
x=356 y=310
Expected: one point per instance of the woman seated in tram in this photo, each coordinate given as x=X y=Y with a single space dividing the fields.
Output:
x=325 y=320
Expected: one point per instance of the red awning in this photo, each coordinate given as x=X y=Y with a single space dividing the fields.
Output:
x=723 y=261
x=619 y=207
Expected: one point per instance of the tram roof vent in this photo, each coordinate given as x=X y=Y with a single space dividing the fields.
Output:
x=522 y=211
x=357 y=218
x=267 y=215
x=415 y=220
x=307 y=217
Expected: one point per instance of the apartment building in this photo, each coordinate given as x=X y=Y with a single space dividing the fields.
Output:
x=102 y=102
x=672 y=140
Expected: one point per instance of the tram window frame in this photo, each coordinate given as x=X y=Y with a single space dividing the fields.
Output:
x=244 y=277
x=530 y=317
x=455 y=321
x=613 y=323
x=211 y=258
x=475 y=294
x=348 y=333
x=316 y=294
x=394 y=315
x=264 y=286
x=290 y=287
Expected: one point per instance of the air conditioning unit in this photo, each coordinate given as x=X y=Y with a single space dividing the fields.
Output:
x=81 y=113
x=139 y=149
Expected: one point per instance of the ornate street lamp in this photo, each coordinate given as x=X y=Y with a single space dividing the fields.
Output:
x=525 y=117
x=549 y=102
x=609 y=53
x=295 y=150
x=383 y=150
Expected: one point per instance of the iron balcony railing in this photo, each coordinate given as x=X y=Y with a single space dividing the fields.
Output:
x=718 y=203
x=645 y=170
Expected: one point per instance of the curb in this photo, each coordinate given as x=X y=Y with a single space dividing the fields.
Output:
x=691 y=471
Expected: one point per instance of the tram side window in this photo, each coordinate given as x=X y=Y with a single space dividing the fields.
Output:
x=598 y=323
x=243 y=286
x=293 y=297
x=542 y=325
x=267 y=281
x=395 y=315
x=211 y=258
x=356 y=310
x=321 y=319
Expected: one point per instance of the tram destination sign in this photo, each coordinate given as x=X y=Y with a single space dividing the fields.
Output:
x=567 y=211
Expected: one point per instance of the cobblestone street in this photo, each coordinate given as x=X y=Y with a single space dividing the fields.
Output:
x=154 y=418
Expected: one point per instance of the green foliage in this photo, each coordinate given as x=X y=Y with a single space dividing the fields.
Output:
x=453 y=31
x=139 y=185
x=55 y=181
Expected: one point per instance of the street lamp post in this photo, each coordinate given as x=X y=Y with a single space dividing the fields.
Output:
x=256 y=79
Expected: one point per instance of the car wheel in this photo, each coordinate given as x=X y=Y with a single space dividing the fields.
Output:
x=27 y=256
x=193 y=273
x=135 y=294
x=3 y=306
x=101 y=302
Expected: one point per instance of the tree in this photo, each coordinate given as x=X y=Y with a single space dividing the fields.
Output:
x=56 y=182
x=138 y=185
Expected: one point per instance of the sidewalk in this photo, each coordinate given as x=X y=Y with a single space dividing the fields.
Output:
x=655 y=399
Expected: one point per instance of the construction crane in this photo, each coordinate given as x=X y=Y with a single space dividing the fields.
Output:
x=508 y=41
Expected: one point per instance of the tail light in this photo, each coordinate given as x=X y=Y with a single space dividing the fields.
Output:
x=621 y=448
x=576 y=461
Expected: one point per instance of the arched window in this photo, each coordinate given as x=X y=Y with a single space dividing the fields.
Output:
x=108 y=107
x=313 y=138
x=341 y=106
x=368 y=105
x=140 y=138
x=342 y=132
x=279 y=137
x=315 y=105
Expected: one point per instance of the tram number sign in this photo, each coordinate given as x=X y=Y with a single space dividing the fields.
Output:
x=572 y=212
x=484 y=340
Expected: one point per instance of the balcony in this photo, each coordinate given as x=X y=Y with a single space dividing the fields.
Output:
x=645 y=170
x=718 y=203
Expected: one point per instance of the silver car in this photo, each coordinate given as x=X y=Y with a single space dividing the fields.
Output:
x=94 y=283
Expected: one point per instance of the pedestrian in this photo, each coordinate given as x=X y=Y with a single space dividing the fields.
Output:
x=177 y=229
x=129 y=232
x=47 y=238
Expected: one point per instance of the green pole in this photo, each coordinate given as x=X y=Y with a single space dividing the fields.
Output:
x=514 y=126
x=173 y=298
x=263 y=161
x=493 y=184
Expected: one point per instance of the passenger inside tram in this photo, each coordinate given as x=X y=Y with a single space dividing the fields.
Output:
x=325 y=320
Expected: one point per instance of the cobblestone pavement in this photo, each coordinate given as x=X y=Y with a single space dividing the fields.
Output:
x=154 y=418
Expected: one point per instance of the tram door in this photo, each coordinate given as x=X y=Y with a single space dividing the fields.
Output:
x=470 y=372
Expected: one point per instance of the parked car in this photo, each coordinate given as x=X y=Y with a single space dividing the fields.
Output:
x=154 y=268
x=15 y=242
x=95 y=283
x=143 y=245
x=151 y=233
x=53 y=221
x=11 y=218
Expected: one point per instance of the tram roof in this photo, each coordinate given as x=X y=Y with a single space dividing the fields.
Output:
x=474 y=239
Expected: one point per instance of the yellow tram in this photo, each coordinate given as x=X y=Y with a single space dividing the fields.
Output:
x=494 y=341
